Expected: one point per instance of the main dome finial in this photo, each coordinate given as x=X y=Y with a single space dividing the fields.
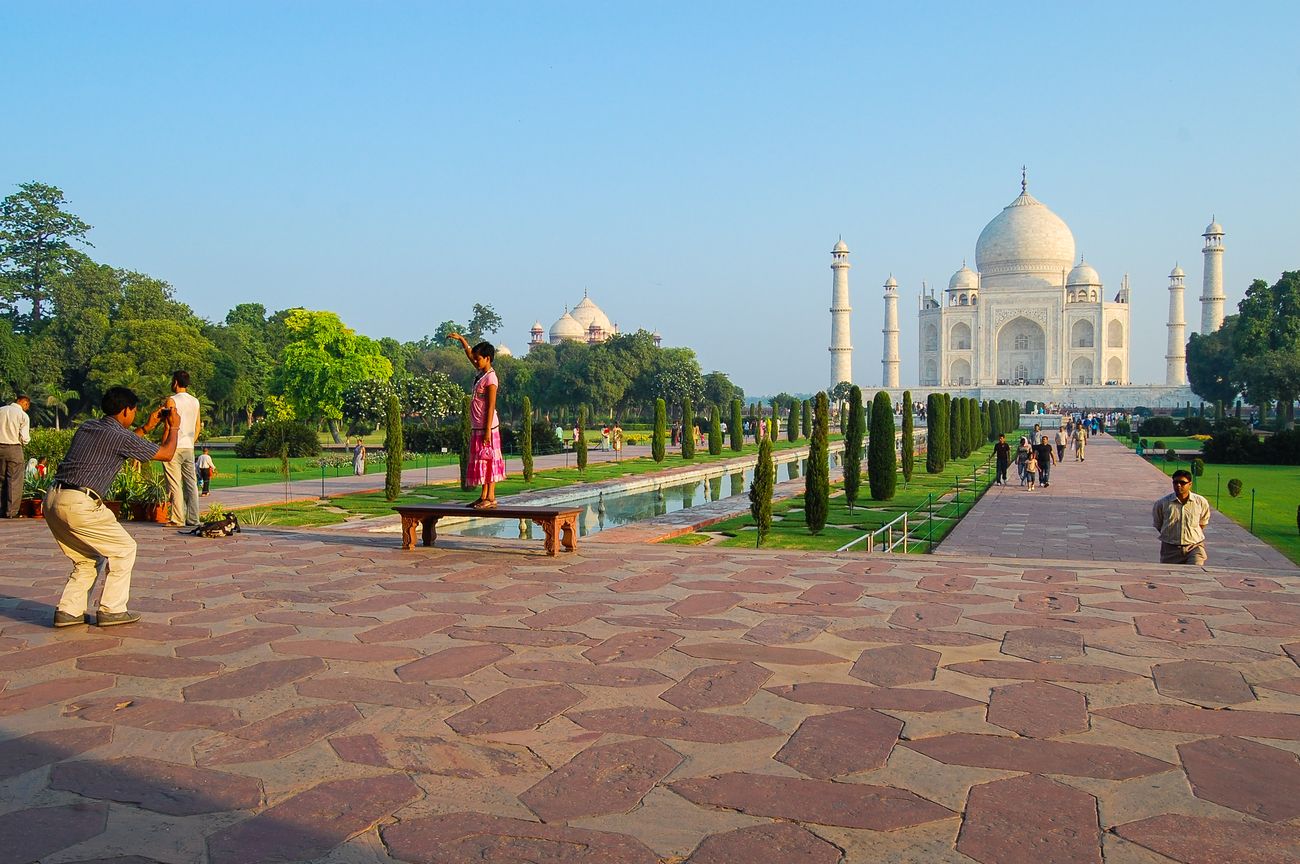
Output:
x=1024 y=179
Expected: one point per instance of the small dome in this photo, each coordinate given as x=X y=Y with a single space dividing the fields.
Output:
x=1177 y=272
x=587 y=313
x=1213 y=228
x=964 y=278
x=567 y=328
x=503 y=351
x=537 y=327
x=1083 y=274
x=841 y=246
x=891 y=282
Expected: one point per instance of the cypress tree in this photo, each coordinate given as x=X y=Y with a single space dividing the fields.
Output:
x=853 y=447
x=995 y=420
x=936 y=426
x=947 y=422
x=581 y=445
x=688 y=429
x=394 y=448
x=807 y=418
x=760 y=491
x=953 y=449
x=526 y=440
x=1218 y=410
x=968 y=426
x=882 y=461
x=464 y=441
x=986 y=423
x=715 y=431
x=659 y=441
x=817 y=483
x=909 y=445
x=737 y=427
x=792 y=426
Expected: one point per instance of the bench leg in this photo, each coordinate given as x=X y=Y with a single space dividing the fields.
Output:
x=430 y=530
x=569 y=534
x=548 y=525
x=408 y=531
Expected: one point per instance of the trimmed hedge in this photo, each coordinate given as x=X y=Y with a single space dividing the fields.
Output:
x=936 y=432
x=882 y=462
x=909 y=438
x=817 y=482
x=853 y=431
x=658 y=441
x=526 y=440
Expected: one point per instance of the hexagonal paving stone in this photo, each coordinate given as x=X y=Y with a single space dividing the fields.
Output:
x=15 y=700
x=474 y=838
x=833 y=745
x=1252 y=778
x=892 y=636
x=34 y=833
x=924 y=616
x=627 y=647
x=1208 y=684
x=585 y=673
x=455 y=662
x=1042 y=643
x=776 y=843
x=1175 y=628
x=899 y=664
x=1153 y=592
x=276 y=736
x=759 y=653
x=679 y=725
x=1197 y=840
x=786 y=631
x=431 y=754
x=154 y=715
x=601 y=780
x=859 y=696
x=716 y=686
x=404 y=629
x=375 y=691
x=1037 y=709
x=30 y=658
x=514 y=710
x=163 y=787
x=1030 y=820
x=847 y=805
x=1075 y=673
x=149 y=666
x=235 y=641
x=20 y=755
x=1184 y=718
x=1040 y=757
x=250 y=680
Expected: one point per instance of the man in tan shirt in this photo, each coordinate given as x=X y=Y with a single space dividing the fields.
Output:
x=1181 y=517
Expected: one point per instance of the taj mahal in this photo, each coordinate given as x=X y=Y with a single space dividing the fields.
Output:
x=1030 y=321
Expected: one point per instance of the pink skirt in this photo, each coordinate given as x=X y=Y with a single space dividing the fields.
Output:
x=482 y=471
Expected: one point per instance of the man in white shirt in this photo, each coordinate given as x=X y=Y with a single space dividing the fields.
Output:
x=182 y=478
x=15 y=433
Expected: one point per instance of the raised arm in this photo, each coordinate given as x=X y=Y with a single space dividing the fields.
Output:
x=464 y=343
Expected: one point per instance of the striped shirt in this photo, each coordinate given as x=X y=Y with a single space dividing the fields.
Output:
x=98 y=450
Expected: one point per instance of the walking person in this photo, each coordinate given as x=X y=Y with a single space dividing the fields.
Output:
x=1062 y=438
x=87 y=531
x=1002 y=450
x=1080 y=440
x=1022 y=456
x=359 y=458
x=1046 y=459
x=1031 y=470
x=1181 y=517
x=486 y=466
x=182 y=477
x=207 y=470
x=15 y=433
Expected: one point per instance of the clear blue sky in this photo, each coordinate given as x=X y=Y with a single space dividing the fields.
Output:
x=690 y=164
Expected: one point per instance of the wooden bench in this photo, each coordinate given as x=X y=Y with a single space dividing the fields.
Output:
x=559 y=523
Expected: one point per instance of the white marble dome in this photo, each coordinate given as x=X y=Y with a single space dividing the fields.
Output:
x=1177 y=272
x=1025 y=238
x=587 y=313
x=1213 y=228
x=963 y=279
x=568 y=328
x=503 y=351
x=841 y=247
x=1083 y=274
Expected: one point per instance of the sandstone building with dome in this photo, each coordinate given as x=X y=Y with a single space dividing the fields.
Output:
x=1031 y=321
x=587 y=323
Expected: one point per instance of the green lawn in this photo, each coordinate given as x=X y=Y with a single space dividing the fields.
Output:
x=1175 y=442
x=1277 y=493
x=236 y=471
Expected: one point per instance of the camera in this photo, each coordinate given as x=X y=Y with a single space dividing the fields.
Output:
x=164 y=414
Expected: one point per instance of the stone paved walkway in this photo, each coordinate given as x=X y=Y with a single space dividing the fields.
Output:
x=1096 y=510
x=295 y=696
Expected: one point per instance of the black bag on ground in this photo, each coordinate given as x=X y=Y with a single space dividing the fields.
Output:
x=223 y=527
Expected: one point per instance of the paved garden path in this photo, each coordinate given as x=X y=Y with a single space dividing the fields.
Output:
x=310 y=695
x=1096 y=510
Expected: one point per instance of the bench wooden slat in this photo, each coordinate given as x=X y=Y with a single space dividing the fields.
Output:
x=559 y=523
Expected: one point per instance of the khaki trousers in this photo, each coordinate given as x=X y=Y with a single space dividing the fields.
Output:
x=1172 y=553
x=182 y=487
x=89 y=533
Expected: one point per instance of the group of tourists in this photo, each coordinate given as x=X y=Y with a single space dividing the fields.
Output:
x=1035 y=454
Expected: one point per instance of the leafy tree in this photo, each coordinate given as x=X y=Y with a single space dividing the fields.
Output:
x=882 y=462
x=659 y=443
x=1266 y=344
x=15 y=359
x=908 y=442
x=715 y=431
x=737 y=428
x=143 y=354
x=718 y=388
x=394 y=449
x=466 y=436
x=36 y=237
x=321 y=360
x=688 y=424
x=817 y=484
x=760 y=491
x=484 y=321
x=839 y=394
x=526 y=440
x=792 y=425
x=936 y=430
x=580 y=446
x=853 y=432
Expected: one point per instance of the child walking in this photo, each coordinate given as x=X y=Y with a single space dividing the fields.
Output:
x=485 y=465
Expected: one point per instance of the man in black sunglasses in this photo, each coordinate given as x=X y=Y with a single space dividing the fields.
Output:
x=1181 y=517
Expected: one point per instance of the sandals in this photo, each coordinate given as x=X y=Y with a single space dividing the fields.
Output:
x=482 y=504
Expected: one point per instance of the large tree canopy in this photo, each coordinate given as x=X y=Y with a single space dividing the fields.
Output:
x=36 y=237
x=322 y=359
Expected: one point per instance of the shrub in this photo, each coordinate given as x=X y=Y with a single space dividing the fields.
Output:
x=956 y=429
x=1123 y=428
x=1144 y=444
x=50 y=443
x=526 y=440
x=853 y=447
x=1171 y=455
x=737 y=429
x=882 y=463
x=393 y=445
x=580 y=446
x=1160 y=445
x=688 y=439
x=760 y=491
x=908 y=442
x=1196 y=425
x=1236 y=445
x=1160 y=426
x=465 y=432
x=659 y=442
x=1198 y=467
x=936 y=429
x=425 y=439
x=270 y=437
x=715 y=432
x=817 y=483
x=1234 y=487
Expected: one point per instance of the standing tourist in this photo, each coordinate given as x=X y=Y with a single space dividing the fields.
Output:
x=182 y=479
x=15 y=433
x=207 y=470
x=618 y=437
x=486 y=466
x=1080 y=439
x=1046 y=459
x=1181 y=517
x=86 y=530
x=1031 y=469
x=1062 y=438
x=1002 y=450
x=359 y=458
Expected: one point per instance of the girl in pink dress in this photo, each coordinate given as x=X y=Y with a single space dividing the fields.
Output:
x=485 y=466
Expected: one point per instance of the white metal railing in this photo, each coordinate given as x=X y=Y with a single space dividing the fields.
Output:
x=888 y=530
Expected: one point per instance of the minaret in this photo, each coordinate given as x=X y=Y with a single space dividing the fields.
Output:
x=890 y=360
x=1176 y=353
x=1212 y=288
x=841 y=349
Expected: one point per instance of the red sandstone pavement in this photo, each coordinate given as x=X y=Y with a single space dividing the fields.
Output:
x=1095 y=510
x=323 y=696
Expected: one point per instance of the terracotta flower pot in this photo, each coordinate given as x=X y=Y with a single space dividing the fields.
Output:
x=116 y=507
x=158 y=513
x=33 y=508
